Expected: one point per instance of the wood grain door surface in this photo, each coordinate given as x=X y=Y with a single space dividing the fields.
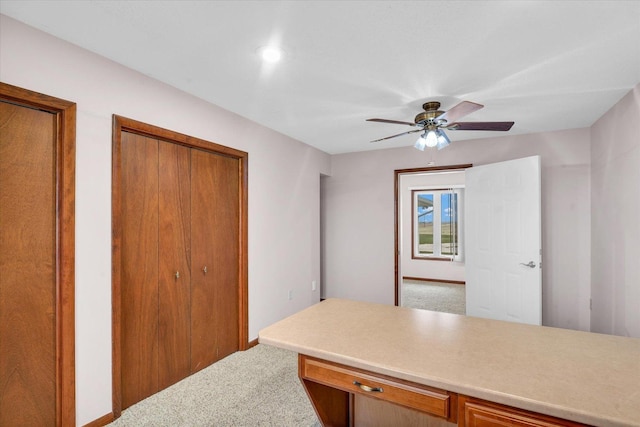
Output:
x=180 y=257
x=139 y=268
x=174 y=285
x=214 y=243
x=27 y=266
x=226 y=245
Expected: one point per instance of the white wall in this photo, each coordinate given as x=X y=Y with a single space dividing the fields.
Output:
x=284 y=189
x=359 y=229
x=423 y=268
x=615 y=214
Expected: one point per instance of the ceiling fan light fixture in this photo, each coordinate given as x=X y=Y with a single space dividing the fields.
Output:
x=431 y=138
x=432 y=122
x=443 y=140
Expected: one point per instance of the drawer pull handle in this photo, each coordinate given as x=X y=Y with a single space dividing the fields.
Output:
x=367 y=388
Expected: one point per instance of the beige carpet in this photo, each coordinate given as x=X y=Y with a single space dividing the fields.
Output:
x=435 y=296
x=260 y=386
x=257 y=387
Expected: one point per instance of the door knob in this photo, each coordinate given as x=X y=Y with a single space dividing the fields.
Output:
x=204 y=269
x=531 y=264
x=177 y=274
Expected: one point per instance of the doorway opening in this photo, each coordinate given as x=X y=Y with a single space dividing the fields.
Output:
x=432 y=283
x=502 y=235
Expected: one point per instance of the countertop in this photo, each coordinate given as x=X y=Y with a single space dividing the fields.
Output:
x=580 y=376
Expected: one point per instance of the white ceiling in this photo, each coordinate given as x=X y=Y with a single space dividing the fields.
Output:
x=547 y=65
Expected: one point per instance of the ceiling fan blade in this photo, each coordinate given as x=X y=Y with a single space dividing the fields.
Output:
x=459 y=111
x=400 y=134
x=392 y=121
x=495 y=126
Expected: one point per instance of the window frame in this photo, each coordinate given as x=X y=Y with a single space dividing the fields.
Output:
x=437 y=192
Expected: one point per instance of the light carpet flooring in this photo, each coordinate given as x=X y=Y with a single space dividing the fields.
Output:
x=435 y=296
x=257 y=387
x=260 y=386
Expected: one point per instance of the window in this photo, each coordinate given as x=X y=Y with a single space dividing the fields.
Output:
x=437 y=224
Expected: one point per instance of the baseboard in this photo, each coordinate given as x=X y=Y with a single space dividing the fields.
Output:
x=422 y=279
x=102 y=421
x=252 y=343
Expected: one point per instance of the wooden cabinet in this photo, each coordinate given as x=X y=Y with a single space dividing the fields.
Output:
x=179 y=261
x=347 y=396
x=344 y=395
x=480 y=413
x=438 y=349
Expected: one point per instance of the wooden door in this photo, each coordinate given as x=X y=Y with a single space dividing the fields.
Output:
x=226 y=244
x=179 y=205
x=27 y=256
x=37 y=158
x=174 y=281
x=139 y=292
x=156 y=265
x=215 y=248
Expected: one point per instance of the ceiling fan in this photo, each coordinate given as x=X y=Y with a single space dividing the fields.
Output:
x=432 y=122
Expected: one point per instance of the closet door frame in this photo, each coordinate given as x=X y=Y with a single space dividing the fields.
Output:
x=65 y=179
x=123 y=124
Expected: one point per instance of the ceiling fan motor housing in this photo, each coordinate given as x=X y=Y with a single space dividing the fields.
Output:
x=430 y=113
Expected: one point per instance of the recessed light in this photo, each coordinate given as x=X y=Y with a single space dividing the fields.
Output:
x=271 y=54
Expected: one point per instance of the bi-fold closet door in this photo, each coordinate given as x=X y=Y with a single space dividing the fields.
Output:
x=179 y=288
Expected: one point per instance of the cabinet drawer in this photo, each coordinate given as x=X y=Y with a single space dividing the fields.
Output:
x=404 y=393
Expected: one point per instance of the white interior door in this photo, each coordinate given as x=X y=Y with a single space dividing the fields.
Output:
x=503 y=243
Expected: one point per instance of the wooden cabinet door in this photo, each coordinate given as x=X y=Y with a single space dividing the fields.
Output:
x=214 y=247
x=139 y=268
x=479 y=413
x=174 y=269
x=27 y=266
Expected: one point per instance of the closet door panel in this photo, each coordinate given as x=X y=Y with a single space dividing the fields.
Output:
x=203 y=302
x=226 y=248
x=139 y=294
x=214 y=312
x=27 y=266
x=175 y=263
